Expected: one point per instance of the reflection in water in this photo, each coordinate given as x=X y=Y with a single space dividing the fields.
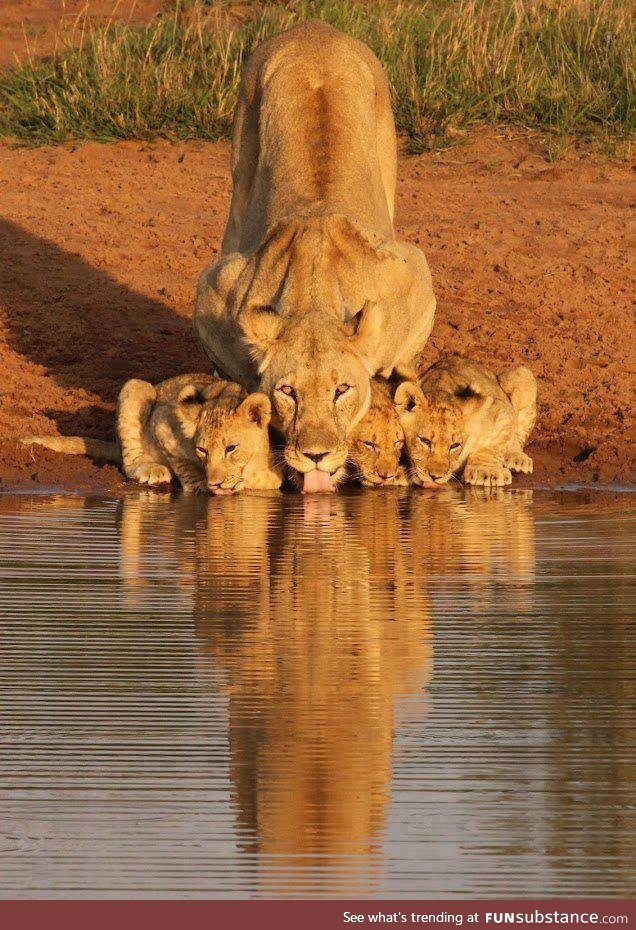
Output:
x=401 y=694
x=320 y=627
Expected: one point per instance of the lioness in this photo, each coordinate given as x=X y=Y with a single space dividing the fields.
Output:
x=312 y=294
x=203 y=430
x=461 y=415
x=375 y=445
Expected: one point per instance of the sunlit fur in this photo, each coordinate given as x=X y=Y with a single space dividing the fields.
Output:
x=375 y=445
x=232 y=443
x=160 y=427
x=461 y=416
x=312 y=289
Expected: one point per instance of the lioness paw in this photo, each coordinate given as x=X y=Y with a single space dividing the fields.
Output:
x=490 y=476
x=518 y=461
x=152 y=474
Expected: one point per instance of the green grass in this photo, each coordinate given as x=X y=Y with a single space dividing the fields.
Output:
x=563 y=66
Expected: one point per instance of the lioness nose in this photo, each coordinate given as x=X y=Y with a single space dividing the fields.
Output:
x=315 y=456
x=214 y=484
x=385 y=475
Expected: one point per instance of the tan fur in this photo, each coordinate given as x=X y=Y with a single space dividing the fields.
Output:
x=312 y=290
x=461 y=416
x=375 y=446
x=183 y=427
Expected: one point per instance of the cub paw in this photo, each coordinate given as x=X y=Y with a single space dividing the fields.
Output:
x=152 y=474
x=490 y=476
x=518 y=461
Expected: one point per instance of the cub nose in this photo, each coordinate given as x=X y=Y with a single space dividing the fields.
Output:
x=214 y=484
x=386 y=475
x=315 y=456
x=435 y=477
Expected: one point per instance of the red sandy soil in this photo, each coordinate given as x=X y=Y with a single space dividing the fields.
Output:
x=32 y=28
x=101 y=247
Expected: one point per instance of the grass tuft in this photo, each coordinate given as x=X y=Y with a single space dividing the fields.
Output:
x=563 y=66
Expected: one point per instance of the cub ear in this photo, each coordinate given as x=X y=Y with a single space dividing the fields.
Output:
x=408 y=395
x=257 y=408
x=261 y=326
x=472 y=402
x=365 y=329
x=214 y=389
x=191 y=396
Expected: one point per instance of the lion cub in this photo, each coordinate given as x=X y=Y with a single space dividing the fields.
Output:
x=461 y=415
x=375 y=445
x=205 y=431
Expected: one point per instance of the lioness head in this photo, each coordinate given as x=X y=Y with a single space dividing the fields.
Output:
x=434 y=432
x=375 y=445
x=316 y=373
x=231 y=435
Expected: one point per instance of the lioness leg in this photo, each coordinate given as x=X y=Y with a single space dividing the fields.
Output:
x=486 y=467
x=134 y=406
x=218 y=331
x=521 y=387
x=412 y=303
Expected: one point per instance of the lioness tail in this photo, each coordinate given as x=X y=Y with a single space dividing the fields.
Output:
x=79 y=445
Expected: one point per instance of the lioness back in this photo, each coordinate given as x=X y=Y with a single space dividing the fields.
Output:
x=330 y=94
x=459 y=417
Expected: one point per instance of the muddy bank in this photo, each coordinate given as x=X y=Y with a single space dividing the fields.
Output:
x=100 y=248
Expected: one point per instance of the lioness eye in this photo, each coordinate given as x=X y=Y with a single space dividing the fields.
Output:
x=229 y=449
x=288 y=390
x=201 y=452
x=398 y=443
x=369 y=445
x=425 y=441
x=342 y=389
x=455 y=446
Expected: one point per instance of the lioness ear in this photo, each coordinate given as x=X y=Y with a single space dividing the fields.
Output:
x=407 y=396
x=261 y=326
x=366 y=327
x=191 y=396
x=257 y=408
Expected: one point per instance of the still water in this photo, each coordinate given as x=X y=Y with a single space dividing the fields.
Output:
x=384 y=694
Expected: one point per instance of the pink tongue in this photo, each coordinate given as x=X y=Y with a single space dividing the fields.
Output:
x=316 y=481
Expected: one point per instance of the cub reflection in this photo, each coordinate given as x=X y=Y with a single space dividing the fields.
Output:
x=477 y=539
x=320 y=627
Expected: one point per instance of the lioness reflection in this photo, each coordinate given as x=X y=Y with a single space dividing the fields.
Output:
x=317 y=613
x=319 y=626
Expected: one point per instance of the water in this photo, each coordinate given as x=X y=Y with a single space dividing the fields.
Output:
x=374 y=694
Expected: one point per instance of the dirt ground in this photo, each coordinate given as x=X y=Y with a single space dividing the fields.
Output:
x=32 y=28
x=101 y=246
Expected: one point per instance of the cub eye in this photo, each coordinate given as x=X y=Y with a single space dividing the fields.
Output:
x=455 y=446
x=342 y=389
x=399 y=443
x=288 y=390
x=369 y=444
x=425 y=442
x=201 y=452
x=230 y=449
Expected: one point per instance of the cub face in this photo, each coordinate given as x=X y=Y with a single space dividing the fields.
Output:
x=231 y=440
x=375 y=445
x=434 y=434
